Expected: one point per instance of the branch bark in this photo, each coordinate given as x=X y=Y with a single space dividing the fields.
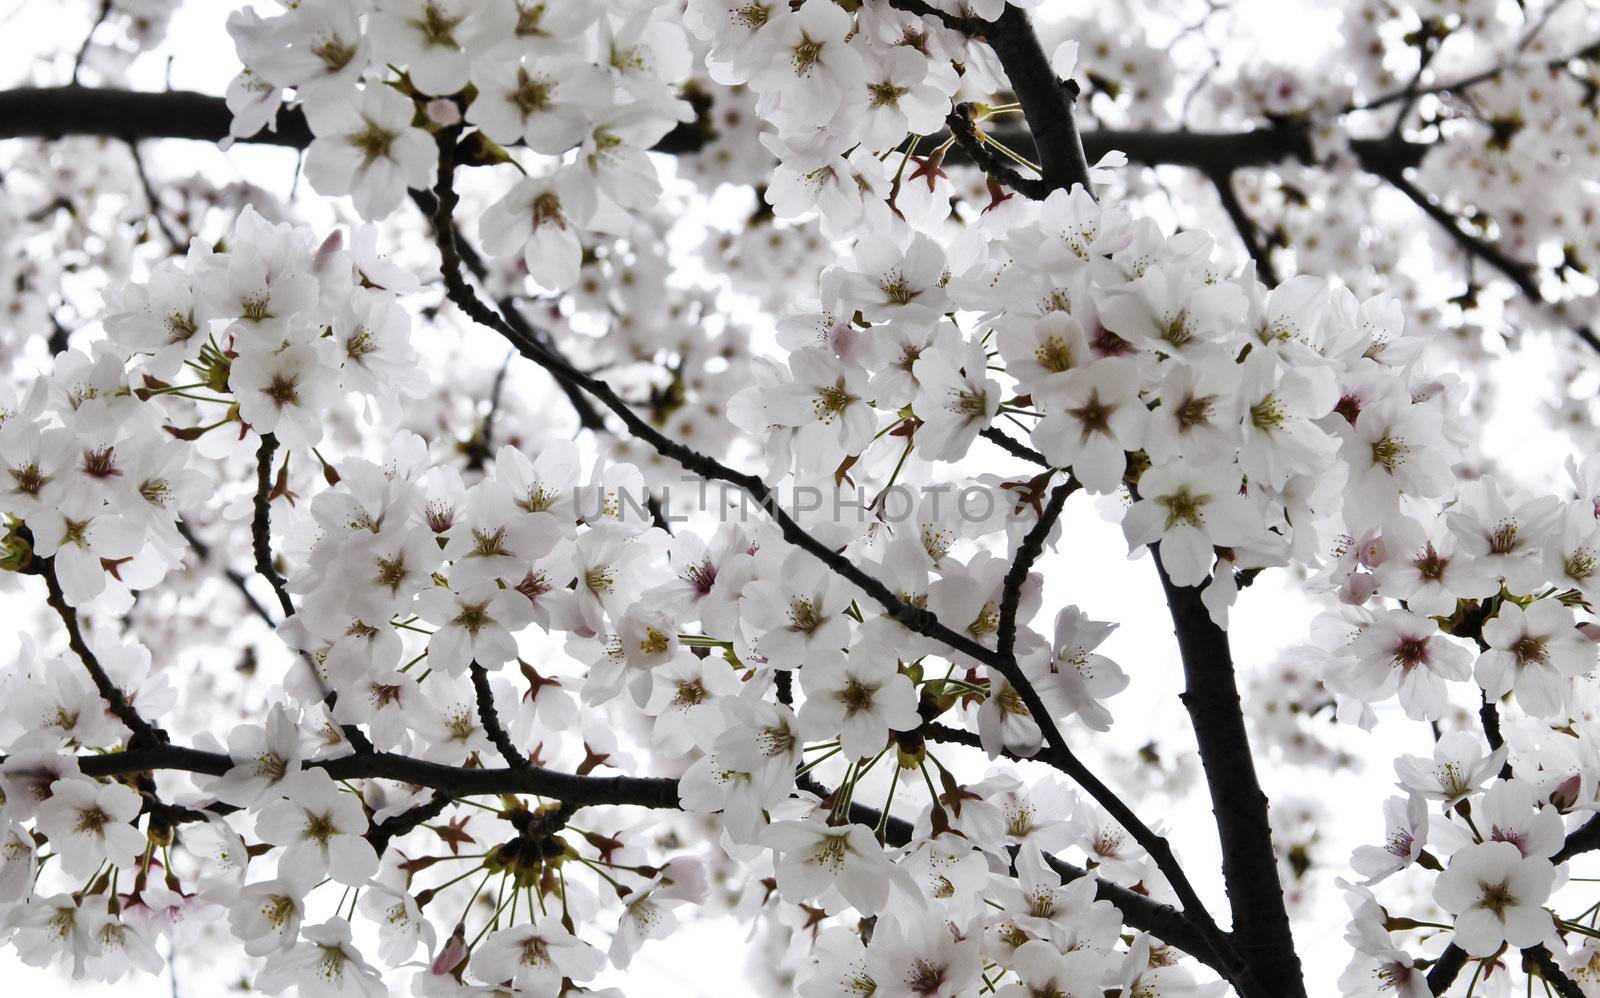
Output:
x=589 y=418
x=1522 y=275
x=658 y=793
x=144 y=733
x=1139 y=910
x=1261 y=929
x=1249 y=232
x=261 y=524
x=58 y=112
x=1046 y=101
x=491 y=721
x=261 y=544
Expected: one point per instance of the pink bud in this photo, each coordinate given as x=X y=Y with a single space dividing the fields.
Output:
x=450 y=955
x=685 y=878
x=330 y=246
x=1565 y=795
x=442 y=111
x=1358 y=588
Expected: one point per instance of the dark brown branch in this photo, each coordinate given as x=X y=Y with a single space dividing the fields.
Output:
x=1552 y=975
x=88 y=39
x=1138 y=910
x=588 y=417
x=57 y=112
x=1249 y=232
x=397 y=825
x=1523 y=275
x=261 y=524
x=450 y=783
x=178 y=246
x=465 y=298
x=1027 y=553
x=236 y=579
x=985 y=158
x=261 y=544
x=1444 y=972
x=1584 y=838
x=1013 y=447
x=481 y=448
x=580 y=791
x=1046 y=101
x=491 y=721
x=1588 y=50
x=144 y=733
x=1261 y=928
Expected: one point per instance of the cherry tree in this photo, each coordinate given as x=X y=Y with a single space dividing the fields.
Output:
x=500 y=481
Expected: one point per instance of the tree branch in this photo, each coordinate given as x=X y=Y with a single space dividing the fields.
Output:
x=261 y=524
x=491 y=721
x=1446 y=969
x=1046 y=101
x=1138 y=910
x=399 y=824
x=588 y=417
x=659 y=793
x=57 y=112
x=1027 y=553
x=178 y=246
x=88 y=38
x=965 y=131
x=1552 y=975
x=236 y=579
x=261 y=544
x=1012 y=446
x=450 y=783
x=465 y=298
x=1249 y=233
x=144 y=733
x=481 y=448
x=1521 y=274
x=1261 y=928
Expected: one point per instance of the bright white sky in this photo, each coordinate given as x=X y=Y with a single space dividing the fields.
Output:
x=706 y=959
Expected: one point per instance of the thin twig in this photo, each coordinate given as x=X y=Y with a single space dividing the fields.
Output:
x=144 y=733
x=261 y=524
x=1521 y=274
x=1249 y=232
x=177 y=245
x=1552 y=975
x=261 y=544
x=1027 y=553
x=1012 y=446
x=490 y=719
x=482 y=445
x=397 y=825
x=83 y=50
x=965 y=131
x=235 y=578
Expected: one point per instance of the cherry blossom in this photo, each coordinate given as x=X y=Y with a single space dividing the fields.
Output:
x=661 y=505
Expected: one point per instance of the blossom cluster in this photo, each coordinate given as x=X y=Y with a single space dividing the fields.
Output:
x=587 y=92
x=492 y=665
